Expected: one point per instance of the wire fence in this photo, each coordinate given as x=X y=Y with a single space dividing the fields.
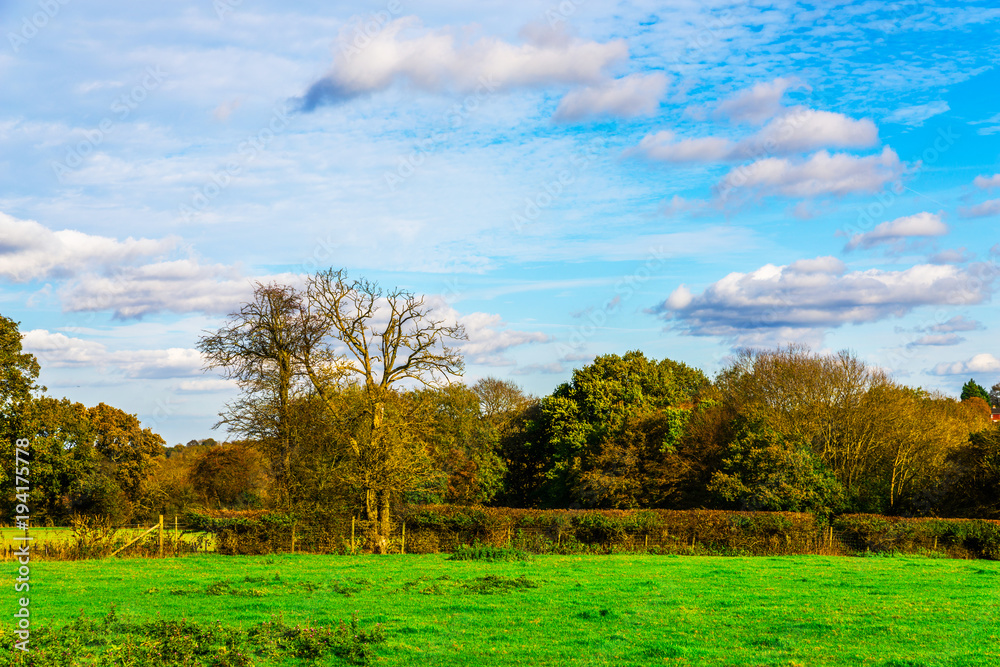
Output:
x=177 y=537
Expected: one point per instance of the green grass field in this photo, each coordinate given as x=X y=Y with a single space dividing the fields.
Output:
x=566 y=610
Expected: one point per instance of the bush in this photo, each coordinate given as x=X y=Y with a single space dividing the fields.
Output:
x=488 y=553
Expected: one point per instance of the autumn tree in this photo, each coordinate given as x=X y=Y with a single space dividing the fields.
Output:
x=260 y=347
x=228 y=475
x=122 y=440
x=358 y=334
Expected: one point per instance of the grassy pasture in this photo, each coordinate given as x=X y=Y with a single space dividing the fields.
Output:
x=565 y=610
x=60 y=538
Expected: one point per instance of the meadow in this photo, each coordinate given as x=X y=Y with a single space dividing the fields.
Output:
x=902 y=611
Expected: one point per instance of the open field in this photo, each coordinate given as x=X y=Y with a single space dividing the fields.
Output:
x=559 y=610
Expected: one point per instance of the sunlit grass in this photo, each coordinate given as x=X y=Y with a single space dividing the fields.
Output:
x=573 y=610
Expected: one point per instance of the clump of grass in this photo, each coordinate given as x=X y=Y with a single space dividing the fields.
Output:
x=491 y=585
x=490 y=553
x=176 y=643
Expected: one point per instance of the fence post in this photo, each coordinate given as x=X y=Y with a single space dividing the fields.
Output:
x=177 y=537
x=161 y=536
x=352 y=535
x=293 y=537
x=402 y=545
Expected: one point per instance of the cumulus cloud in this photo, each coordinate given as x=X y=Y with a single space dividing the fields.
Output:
x=179 y=286
x=665 y=147
x=797 y=131
x=60 y=351
x=808 y=296
x=803 y=129
x=759 y=103
x=31 y=251
x=438 y=60
x=914 y=116
x=985 y=182
x=981 y=363
x=628 y=97
x=983 y=210
x=918 y=225
x=820 y=174
x=489 y=339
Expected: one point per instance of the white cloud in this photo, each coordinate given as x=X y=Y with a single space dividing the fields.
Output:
x=921 y=224
x=957 y=323
x=983 y=210
x=436 y=60
x=31 y=251
x=819 y=174
x=981 y=363
x=813 y=295
x=802 y=129
x=985 y=182
x=952 y=256
x=59 y=351
x=756 y=105
x=663 y=146
x=489 y=339
x=179 y=286
x=206 y=386
x=915 y=116
x=937 y=340
x=628 y=97
x=797 y=131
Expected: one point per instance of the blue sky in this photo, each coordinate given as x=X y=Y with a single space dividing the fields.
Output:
x=566 y=179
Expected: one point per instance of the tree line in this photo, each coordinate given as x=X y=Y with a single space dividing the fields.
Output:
x=349 y=402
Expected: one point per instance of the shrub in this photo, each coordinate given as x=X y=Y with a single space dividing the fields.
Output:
x=488 y=553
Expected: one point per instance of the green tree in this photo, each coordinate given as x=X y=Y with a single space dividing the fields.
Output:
x=18 y=374
x=973 y=390
x=584 y=433
x=766 y=471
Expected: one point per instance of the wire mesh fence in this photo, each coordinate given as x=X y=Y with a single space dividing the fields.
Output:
x=345 y=534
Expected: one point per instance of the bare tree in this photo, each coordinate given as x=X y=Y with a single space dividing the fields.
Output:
x=358 y=335
x=259 y=347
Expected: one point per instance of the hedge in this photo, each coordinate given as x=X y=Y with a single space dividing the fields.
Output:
x=960 y=538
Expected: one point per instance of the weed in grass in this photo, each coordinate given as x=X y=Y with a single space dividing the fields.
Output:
x=490 y=584
x=489 y=553
x=177 y=643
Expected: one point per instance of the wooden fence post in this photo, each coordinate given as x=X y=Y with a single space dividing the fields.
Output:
x=352 y=535
x=402 y=545
x=161 y=536
x=293 y=537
